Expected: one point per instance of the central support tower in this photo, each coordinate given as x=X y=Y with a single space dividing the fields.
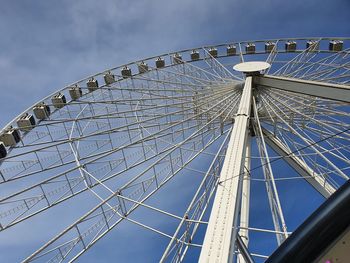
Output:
x=217 y=242
x=221 y=234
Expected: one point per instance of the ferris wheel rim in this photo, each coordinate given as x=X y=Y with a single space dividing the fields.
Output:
x=136 y=62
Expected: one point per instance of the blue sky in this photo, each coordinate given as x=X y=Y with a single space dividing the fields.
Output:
x=46 y=45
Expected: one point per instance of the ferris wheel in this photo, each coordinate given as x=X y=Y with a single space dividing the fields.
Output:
x=205 y=152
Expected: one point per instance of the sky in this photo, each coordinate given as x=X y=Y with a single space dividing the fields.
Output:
x=45 y=45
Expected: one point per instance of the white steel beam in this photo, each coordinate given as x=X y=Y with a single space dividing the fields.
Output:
x=271 y=188
x=219 y=241
x=318 y=182
x=331 y=91
x=244 y=224
x=244 y=252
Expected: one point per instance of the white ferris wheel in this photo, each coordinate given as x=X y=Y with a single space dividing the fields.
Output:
x=199 y=150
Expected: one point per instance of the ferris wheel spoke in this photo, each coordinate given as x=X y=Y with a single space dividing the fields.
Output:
x=92 y=214
x=295 y=157
x=337 y=78
x=200 y=129
x=219 y=69
x=195 y=210
x=216 y=71
x=302 y=57
x=135 y=142
x=208 y=98
x=272 y=57
x=334 y=152
x=154 y=97
x=187 y=244
x=121 y=128
x=34 y=166
x=322 y=132
x=241 y=54
x=193 y=74
x=116 y=114
x=331 y=74
x=320 y=123
x=306 y=141
x=274 y=202
x=311 y=105
x=132 y=143
x=207 y=75
x=300 y=166
x=64 y=197
x=123 y=146
x=330 y=64
x=29 y=167
x=322 y=127
x=72 y=186
x=339 y=147
x=89 y=117
x=298 y=150
x=154 y=83
x=69 y=188
x=196 y=73
x=311 y=158
x=299 y=64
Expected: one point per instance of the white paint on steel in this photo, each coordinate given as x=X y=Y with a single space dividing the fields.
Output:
x=331 y=91
x=217 y=245
x=313 y=178
x=251 y=66
x=271 y=189
x=244 y=224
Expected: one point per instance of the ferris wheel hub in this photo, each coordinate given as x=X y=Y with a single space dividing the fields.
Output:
x=251 y=66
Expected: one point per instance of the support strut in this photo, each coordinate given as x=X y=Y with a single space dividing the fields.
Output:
x=220 y=237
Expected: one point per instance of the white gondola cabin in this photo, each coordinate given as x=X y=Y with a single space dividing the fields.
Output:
x=10 y=137
x=250 y=48
x=194 y=55
x=109 y=78
x=160 y=63
x=41 y=111
x=59 y=100
x=75 y=92
x=143 y=67
x=269 y=46
x=231 y=50
x=336 y=45
x=26 y=122
x=291 y=46
x=92 y=84
x=126 y=72
x=213 y=51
